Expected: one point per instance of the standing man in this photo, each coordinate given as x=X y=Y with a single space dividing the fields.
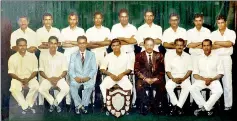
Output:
x=208 y=70
x=116 y=66
x=23 y=68
x=149 y=68
x=53 y=68
x=178 y=66
x=98 y=38
x=125 y=32
x=45 y=32
x=149 y=29
x=173 y=32
x=69 y=42
x=82 y=70
x=24 y=32
x=195 y=37
x=223 y=40
x=42 y=37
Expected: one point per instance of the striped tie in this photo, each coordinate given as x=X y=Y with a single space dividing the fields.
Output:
x=82 y=59
x=150 y=63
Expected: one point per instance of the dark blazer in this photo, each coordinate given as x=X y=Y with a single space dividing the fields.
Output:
x=141 y=66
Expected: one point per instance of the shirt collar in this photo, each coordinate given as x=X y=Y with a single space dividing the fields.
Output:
x=182 y=55
x=224 y=32
x=197 y=30
x=178 y=29
x=27 y=53
x=207 y=56
x=46 y=29
x=147 y=54
x=146 y=25
x=27 y=29
x=125 y=26
x=97 y=28
x=72 y=29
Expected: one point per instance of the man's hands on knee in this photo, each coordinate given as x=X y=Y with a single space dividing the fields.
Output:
x=54 y=80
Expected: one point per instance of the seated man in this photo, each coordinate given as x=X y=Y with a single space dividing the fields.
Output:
x=82 y=70
x=23 y=67
x=178 y=66
x=116 y=66
x=208 y=70
x=53 y=68
x=149 y=68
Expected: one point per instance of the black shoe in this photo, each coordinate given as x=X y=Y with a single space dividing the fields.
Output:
x=84 y=110
x=180 y=111
x=144 y=110
x=210 y=113
x=173 y=111
x=77 y=110
x=103 y=108
x=199 y=112
x=68 y=108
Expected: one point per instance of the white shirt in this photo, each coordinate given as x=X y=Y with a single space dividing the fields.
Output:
x=68 y=34
x=193 y=35
x=116 y=64
x=170 y=35
x=119 y=31
x=144 y=31
x=84 y=54
x=94 y=34
x=208 y=66
x=53 y=66
x=24 y=66
x=178 y=65
x=43 y=35
x=29 y=35
x=147 y=56
x=229 y=35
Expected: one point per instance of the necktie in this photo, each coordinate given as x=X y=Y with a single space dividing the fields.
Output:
x=150 y=63
x=82 y=58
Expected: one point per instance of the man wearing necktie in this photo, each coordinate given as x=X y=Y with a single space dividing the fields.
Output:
x=149 y=68
x=82 y=70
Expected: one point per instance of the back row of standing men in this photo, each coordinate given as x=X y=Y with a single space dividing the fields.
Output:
x=99 y=38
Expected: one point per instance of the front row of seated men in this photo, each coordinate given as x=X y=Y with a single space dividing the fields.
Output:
x=150 y=67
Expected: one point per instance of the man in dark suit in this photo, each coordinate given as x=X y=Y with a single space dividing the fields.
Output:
x=149 y=68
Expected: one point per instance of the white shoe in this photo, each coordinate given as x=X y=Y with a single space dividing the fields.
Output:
x=227 y=108
x=32 y=110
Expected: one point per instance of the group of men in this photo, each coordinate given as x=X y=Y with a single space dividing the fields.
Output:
x=156 y=73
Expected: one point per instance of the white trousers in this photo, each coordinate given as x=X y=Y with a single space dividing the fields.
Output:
x=216 y=92
x=108 y=83
x=227 y=80
x=185 y=85
x=132 y=58
x=46 y=85
x=16 y=88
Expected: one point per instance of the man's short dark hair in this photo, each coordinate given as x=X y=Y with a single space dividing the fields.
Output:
x=81 y=37
x=198 y=15
x=114 y=41
x=148 y=39
x=147 y=11
x=221 y=17
x=174 y=14
x=23 y=16
x=53 y=37
x=207 y=40
x=179 y=40
x=98 y=13
x=47 y=14
x=123 y=10
x=72 y=14
x=20 y=40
